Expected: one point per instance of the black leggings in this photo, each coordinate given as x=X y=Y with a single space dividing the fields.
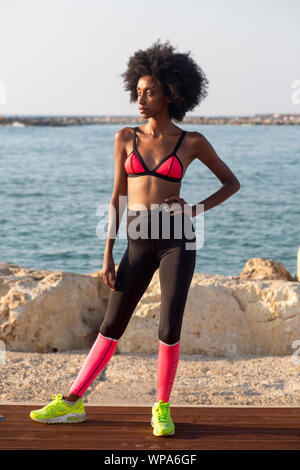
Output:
x=143 y=256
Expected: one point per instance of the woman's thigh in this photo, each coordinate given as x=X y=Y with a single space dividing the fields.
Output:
x=176 y=269
x=133 y=276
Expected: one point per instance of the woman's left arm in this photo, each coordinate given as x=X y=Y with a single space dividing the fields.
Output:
x=205 y=152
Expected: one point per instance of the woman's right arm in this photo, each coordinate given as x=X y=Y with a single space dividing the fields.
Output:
x=117 y=206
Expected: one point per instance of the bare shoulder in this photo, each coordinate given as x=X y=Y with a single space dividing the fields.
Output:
x=195 y=137
x=195 y=141
x=123 y=140
x=124 y=134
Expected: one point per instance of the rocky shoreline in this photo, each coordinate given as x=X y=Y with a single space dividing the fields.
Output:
x=54 y=121
x=237 y=344
x=255 y=313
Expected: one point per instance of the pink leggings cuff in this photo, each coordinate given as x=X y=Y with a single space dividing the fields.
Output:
x=167 y=363
x=99 y=355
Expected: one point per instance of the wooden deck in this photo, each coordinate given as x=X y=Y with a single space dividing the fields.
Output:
x=128 y=428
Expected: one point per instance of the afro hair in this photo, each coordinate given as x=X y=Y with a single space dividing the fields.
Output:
x=181 y=77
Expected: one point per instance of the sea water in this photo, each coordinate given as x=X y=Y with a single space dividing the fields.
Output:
x=57 y=181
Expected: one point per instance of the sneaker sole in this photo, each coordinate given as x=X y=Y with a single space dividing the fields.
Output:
x=163 y=434
x=65 y=419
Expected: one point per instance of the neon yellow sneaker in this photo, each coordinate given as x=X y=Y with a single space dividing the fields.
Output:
x=58 y=411
x=161 y=420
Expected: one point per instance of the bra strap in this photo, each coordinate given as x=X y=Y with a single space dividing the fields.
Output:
x=134 y=138
x=179 y=141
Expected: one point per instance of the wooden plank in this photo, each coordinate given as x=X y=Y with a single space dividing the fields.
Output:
x=125 y=410
x=129 y=428
x=156 y=443
x=104 y=416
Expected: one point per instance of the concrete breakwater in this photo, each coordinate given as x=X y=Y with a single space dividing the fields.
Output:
x=257 y=119
x=257 y=312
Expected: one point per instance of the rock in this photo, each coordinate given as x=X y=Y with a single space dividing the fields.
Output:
x=264 y=269
x=223 y=317
x=44 y=311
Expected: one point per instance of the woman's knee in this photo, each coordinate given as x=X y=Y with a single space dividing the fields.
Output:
x=110 y=331
x=169 y=336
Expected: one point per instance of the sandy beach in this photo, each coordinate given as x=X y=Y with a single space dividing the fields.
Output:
x=130 y=379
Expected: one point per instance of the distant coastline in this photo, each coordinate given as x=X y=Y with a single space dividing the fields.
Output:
x=257 y=119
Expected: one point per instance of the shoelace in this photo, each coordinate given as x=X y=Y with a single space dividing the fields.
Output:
x=163 y=413
x=55 y=399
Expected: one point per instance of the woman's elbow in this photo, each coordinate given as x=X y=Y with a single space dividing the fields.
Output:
x=236 y=185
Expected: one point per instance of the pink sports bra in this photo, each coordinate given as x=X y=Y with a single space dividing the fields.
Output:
x=170 y=168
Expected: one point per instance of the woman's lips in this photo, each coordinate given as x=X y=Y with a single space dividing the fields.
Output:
x=143 y=110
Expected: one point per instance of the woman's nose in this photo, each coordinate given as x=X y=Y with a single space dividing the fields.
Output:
x=141 y=98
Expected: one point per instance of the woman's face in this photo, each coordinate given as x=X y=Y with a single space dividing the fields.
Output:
x=151 y=98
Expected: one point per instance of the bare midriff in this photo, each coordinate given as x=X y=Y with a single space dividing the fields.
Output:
x=147 y=189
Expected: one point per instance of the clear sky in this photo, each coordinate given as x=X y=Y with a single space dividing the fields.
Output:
x=63 y=57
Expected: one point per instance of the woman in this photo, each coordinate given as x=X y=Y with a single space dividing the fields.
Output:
x=150 y=162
